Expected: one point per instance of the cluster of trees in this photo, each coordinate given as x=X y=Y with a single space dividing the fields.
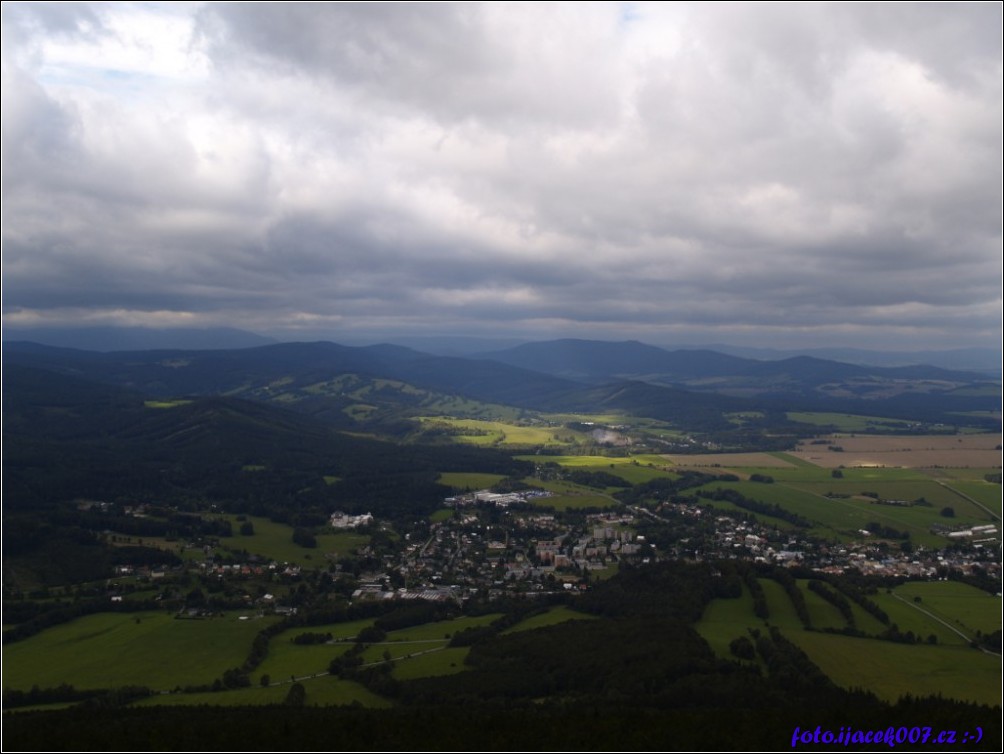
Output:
x=886 y=532
x=312 y=637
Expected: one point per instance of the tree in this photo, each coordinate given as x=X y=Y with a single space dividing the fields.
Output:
x=948 y=511
x=303 y=537
x=370 y=635
x=247 y=529
x=742 y=648
x=296 y=695
x=265 y=679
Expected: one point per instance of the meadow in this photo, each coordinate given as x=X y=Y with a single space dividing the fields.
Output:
x=890 y=670
x=274 y=541
x=464 y=481
x=568 y=495
x=152 y=649
x=833 y=499
x=155 y=650
x=270 y=540
x=487 y=433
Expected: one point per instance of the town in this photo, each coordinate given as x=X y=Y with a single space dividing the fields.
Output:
x=495 y=545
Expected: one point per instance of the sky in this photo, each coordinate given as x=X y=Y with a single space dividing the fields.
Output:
x=786 y=175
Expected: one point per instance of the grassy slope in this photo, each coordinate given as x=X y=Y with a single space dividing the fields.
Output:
x=107 y=650
x=891 y=670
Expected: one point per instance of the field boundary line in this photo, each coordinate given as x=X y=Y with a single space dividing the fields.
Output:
x=971 y=500
x=946 y=624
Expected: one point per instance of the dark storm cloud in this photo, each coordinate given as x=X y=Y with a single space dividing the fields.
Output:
x=353 y=168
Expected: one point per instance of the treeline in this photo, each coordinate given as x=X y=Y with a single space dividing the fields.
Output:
x=886 y=532
x=667 y=488
x=755 y=506
x=608 y=725
x=46 y=615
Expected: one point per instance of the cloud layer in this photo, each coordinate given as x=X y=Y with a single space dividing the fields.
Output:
x=785 y=174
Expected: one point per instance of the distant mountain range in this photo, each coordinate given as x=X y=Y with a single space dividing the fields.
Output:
x=986 y=361
x=601 y=361
x=691 y=387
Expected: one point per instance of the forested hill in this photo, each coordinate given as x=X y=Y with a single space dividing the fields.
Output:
x=290 y=364
x=67 y=438
x=695 y=388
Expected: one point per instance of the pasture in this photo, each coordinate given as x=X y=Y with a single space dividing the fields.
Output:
x=275 y=542
x=568 y=495
x=892 y=670
x=965 y=607
x=888 y=669
x=463 y=481
x=632 y=469
x=153 y=649
x=838 y=509
x=486 y=433
x=552 y=617
x=286 y=658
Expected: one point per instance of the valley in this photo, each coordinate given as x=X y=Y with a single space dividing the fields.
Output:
x=311 y=526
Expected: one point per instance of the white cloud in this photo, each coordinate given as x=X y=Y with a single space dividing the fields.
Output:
x=652 y=167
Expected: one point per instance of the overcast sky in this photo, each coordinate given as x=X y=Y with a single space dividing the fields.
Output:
x=786 y=175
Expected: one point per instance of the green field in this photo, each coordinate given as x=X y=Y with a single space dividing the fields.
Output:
x=782 y=612
x=891 y=670
x=441 y=629
x=275 y=542
x=463 y=480
x=632 y=469
x=821 y=613
x=984 y=492
x=150 y=649
x=483 y=432
x=568 y=495
x=888 y=669
x=965 y=607
x=552 y=617
x=321 y=691
x=420 y=651
x=802 y=491
x=167 y=404
x=726 y=620
x=287 y=659
x=442 y=661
